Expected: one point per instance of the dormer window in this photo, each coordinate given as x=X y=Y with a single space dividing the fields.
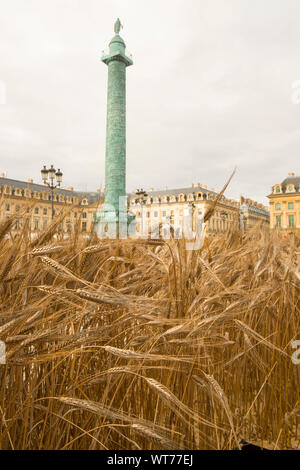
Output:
x=181 y=197
x=156 y=200
x=277 y=189
x=61 y=198
x=18 y=192
x=84 y=202
x=37 y=194
x=290 y=188
x=172 y=198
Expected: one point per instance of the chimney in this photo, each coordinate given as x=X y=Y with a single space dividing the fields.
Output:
x=192 y=185
x=199 y=185
x=70 y=188
x=2 y=175
x=30 y=180
x=291 y=174
x=98 y=190
x=151 y=190
x=213 y=190
x=205 y=186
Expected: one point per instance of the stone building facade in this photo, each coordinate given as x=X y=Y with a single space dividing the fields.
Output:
x=31 y=201
x=161 y=209
x=161 y=212
x=285 y=205
x=252 y=214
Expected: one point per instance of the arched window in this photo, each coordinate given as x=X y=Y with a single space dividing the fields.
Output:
x=278 y=189
x=84 y=215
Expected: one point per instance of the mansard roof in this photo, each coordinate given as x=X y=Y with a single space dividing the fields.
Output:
x=92 y=197
x=252 y=208
x=295 y=180
x=291 y=179
x=176 y=192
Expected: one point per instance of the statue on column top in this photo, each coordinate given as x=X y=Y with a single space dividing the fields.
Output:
x=118 y=26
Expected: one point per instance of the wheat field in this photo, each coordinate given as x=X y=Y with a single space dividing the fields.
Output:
x=122 y=344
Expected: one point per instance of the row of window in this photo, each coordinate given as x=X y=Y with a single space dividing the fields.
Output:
x=37 y=225
x=291 y=220
x=278 y=206
x=37 y=211
x=172 y=214
x=290 y=188
x=172 y=198
x=45 y=195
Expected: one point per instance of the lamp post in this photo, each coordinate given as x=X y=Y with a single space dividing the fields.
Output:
x=141 y=199
x=52 y=175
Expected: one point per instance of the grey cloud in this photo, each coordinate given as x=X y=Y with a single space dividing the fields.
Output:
x=210 y=88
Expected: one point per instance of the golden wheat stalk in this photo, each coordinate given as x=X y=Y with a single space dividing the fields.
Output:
x=129 y=354
x=46 y=250
x=148 y=432
x=97 y=297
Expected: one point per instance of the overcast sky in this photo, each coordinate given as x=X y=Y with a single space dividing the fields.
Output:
x=210 y=89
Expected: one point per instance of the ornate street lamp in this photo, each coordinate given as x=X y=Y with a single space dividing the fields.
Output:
x=52 y=175
x=141 y=196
